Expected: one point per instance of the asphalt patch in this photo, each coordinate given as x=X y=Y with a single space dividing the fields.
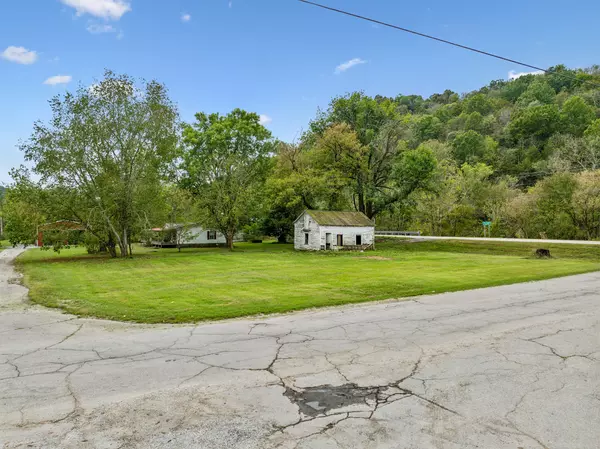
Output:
x=315 y=401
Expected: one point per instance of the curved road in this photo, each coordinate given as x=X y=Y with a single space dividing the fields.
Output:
x=491 y=239
x=508 y=367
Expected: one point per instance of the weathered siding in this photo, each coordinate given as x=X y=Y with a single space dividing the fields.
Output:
x=318 y=234
x=367 y=235
x=200 y=237
x=306 y=222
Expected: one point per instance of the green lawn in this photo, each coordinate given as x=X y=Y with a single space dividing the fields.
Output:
x=202 y=284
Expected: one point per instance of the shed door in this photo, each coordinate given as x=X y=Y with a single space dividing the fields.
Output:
x=340 y=240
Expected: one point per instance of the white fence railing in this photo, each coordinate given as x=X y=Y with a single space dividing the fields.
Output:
x=401 y=233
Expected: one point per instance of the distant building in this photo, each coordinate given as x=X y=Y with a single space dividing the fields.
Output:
x=190 y=235
x=61 y=226
x=317 y=230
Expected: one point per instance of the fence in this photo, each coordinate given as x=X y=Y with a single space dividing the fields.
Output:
x=400 y=233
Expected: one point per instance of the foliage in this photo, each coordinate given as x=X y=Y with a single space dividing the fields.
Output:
x=537 y=93
x=24 y=208
x=537 y=123
x=471 y=147
x=253 y=232
x=576 y=116
x=225 y=162
x=357 y=155
x=104 y=154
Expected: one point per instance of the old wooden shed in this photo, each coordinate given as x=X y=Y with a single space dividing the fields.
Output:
x=317 y=230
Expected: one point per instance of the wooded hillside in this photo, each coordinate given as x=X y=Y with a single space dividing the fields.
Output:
x=520 y=153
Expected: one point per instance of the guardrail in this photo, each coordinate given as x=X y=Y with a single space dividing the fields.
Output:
x=401 y=233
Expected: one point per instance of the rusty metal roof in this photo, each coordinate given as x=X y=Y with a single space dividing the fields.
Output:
x=337 y=218
x=62 y=225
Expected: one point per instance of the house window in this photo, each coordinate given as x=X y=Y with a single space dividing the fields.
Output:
x=358 y=240
x=340 y=240
x=306 y=238
x=211 y=235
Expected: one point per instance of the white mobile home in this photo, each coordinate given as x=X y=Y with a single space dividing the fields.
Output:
x=330 y=230
x=192 y=235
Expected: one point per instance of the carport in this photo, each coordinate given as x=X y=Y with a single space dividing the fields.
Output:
x=61 y=225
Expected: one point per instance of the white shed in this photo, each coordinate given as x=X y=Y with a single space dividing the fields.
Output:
x=317 y=230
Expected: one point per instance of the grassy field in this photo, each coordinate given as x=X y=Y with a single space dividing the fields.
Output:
x=201 y=284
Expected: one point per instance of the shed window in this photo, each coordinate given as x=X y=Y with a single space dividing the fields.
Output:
x=359 y=240
x=306 y=222
x=306 y=238
x=211 y=235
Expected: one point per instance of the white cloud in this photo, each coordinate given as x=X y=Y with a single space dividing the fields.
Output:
x=20 y=55
x=105 y=9
x=265 y=119
x=512 y=75
x=99 y=28
x=58 y=79
x=348 y=65
x=186 y=17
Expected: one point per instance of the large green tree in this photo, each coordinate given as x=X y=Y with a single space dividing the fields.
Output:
x=225 y=162
x=107 y=148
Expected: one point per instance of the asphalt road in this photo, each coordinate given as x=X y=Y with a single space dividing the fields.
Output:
x=495 y=239
x=508 y=367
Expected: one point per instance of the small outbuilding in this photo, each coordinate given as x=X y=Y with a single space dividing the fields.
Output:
x=317 y=230
x=62 y=226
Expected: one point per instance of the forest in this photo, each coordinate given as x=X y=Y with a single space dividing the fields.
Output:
x=523 y=154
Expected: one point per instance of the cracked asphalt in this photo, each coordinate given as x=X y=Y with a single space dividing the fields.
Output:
x=508 y=367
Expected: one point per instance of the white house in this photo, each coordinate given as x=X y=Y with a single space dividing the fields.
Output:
x=192 y=235
x=317 y=230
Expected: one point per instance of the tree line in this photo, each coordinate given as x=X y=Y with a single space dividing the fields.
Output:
x=523 y=154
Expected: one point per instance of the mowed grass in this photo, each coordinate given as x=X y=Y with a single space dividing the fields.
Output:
x=164 y=286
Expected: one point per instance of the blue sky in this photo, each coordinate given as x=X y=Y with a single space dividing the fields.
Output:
x=274 y=57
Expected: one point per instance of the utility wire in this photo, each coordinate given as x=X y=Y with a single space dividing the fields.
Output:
x=464 y=47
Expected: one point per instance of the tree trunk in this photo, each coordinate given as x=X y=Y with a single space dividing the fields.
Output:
x=124 y=245
x=282 y=238
x=229 y=239
x=370 y=210
x=361 y=203
x=111 y=247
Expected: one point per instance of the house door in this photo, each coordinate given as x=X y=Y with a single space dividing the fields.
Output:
x=358 y=240
x=328 y=240
x=340 y=240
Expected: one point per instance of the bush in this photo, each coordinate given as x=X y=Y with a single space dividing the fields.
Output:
x=92 y=244
x=253 y=232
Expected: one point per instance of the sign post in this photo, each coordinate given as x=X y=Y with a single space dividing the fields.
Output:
x=487 y=228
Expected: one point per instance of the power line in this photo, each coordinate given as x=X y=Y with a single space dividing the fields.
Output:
x=464 y=47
